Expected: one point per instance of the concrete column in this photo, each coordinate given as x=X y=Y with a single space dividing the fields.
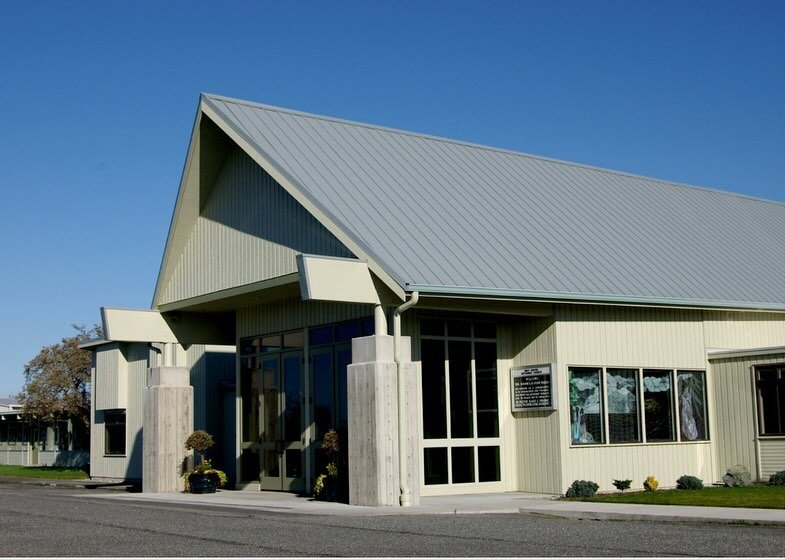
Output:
x=168 y=421
x=372 y=390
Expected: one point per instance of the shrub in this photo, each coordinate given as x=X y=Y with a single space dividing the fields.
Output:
x=622 y=484
x=199 y=441
x=778 y=478
x=330 y=442
x=689 y=482
x=582 y=489
x=651 y=484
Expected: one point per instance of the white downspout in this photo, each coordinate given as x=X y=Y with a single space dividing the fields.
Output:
x=406 y=495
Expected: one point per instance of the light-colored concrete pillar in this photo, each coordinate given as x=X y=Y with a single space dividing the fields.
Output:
x=372 y=390
x=168 y=421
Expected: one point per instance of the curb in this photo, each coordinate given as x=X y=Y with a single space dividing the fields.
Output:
x=595 y=515
x=69 y=484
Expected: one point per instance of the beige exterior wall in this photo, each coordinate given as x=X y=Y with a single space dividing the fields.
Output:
x=249 y=230
x=111 y=379
x=772 y=457
x=207 y=370
x=534 y=454
x=743 y=330
x=671 y=339
x=635 y=338
x=293 y=314
x=734 y=428
x=736 y=435
x=129 y=466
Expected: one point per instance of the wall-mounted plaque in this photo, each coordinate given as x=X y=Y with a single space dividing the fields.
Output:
x=533 y=388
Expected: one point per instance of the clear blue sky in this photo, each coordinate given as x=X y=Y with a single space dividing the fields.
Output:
x=98 y=100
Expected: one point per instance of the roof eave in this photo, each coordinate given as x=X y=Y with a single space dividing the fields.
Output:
x=590 y=298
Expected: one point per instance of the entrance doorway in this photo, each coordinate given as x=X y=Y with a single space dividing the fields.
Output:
x=280 y=439
x=291 y=394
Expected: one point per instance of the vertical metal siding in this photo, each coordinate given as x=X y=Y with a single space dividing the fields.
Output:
x=138 y=362
x=197 y=364
x=736 y=431
x=111 y=378
x=129 y=466
x=734 y=419
x=743 y=330
x=535 y=450
x=631 y=337
x=293 y=314
x=250 y=230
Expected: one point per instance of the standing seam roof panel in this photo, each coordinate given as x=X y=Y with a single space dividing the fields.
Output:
x=495 y=220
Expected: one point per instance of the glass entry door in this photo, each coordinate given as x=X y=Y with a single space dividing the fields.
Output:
x=281 y=425
x=328 y=377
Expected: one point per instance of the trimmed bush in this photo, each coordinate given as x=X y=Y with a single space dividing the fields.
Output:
x=778 y=478
x=689 y=482
x=651 y=483
x=581 y=489
x=622 y=484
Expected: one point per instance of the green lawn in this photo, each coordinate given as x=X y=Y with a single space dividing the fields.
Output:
x=756 y=496
x=42 y=472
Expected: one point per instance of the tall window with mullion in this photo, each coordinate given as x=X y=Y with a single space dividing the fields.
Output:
x=460 y=402
x=658 y=405
x=586 y=406
x=621 y=387
x=770 y=385
x=693 y=419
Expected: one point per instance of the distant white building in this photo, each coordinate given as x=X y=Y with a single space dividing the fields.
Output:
x=557 y=321
x=29 y=442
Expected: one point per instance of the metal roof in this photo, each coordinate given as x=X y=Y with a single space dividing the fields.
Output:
x=443 y=216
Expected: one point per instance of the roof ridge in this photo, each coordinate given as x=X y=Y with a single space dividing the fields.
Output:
x=488 y=148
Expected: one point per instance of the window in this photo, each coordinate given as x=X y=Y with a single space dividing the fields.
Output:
x=461 y=410
x=622 y=406
x=114 y=431
x=623 y=421
x=586 y=415
x=693 y=419
x=770 y=386
x=658 y=405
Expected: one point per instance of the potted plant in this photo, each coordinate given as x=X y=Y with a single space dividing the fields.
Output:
x=326 y=485
x=203 y=478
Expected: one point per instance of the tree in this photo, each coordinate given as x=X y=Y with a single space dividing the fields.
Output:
x=57 y=380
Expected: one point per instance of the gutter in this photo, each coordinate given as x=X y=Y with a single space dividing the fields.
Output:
x=589 y=298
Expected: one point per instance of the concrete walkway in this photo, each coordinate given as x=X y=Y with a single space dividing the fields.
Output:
x=487 y=503
x=527 y=503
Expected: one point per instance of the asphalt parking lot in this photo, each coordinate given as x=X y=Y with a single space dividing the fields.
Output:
x=54 y=521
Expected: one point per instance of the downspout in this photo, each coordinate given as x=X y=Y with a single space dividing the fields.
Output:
x=406 y=494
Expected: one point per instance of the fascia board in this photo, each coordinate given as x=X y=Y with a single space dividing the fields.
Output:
x=181 y=225
x=135 y=325
x=229 y=292
x=714 y=354
x=345 y=280
x=290 y=185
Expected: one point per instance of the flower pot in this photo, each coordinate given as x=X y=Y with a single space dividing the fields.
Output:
x=331 y=489
x=203 y=483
